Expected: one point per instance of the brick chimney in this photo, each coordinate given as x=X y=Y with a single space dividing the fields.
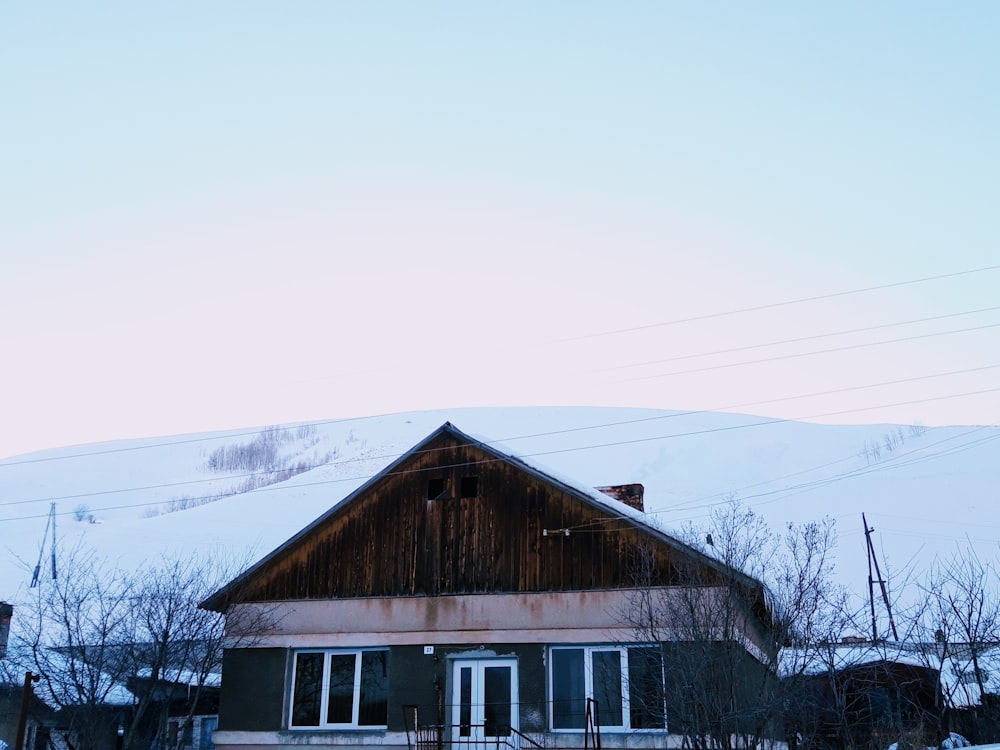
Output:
x=630 y=494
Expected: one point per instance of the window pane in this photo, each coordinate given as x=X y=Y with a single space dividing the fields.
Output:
x=465 y=702
x=340 y=708
x=308 y=687
x=496 y=696
x=374 y=708
x=645 y=688
x=568 y=697
x=608 y=687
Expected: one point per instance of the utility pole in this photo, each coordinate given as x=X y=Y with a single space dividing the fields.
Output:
x=22 y=721
x=872 y=559
x=49 y=524
x=871 y=589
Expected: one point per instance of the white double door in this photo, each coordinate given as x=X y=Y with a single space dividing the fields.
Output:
x=484 y=703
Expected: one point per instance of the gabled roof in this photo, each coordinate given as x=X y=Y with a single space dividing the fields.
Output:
x=953 y=661
x=836 y=657
x=590 y=496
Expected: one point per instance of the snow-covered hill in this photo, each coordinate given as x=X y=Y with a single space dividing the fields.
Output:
x=927 y=491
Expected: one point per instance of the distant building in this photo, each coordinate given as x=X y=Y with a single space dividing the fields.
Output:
x=863 y=695
x=6 y=613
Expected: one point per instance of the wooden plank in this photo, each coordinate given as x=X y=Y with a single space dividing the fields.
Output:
x=394 y=541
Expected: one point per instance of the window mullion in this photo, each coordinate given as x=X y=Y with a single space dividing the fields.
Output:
x=626 y=691
x=356 y=707
x=588 y=673
x=324 y=693
x=623 y=686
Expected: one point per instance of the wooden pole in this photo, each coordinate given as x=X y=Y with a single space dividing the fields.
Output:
x=871 y=581
x=22 y=721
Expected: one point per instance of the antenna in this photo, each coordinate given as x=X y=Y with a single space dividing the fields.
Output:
x=873 y=560
x=50 y=523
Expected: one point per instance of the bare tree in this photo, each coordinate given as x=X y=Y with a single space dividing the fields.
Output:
x=70 y=633
x=722 y=630
x=119 y=651
x=848 y=691
x=961 y=625
x=175 y=649
x=965 y=588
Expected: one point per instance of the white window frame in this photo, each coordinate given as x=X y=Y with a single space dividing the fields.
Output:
x=588 y=675
x=324 y=699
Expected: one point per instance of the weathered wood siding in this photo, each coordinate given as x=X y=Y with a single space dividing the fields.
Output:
x=397 y=541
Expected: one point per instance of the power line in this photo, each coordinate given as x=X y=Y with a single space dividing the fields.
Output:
x=222 y=435
x=937 y=521
x=887 y=465
x=807 y=354
x=922 y=448
x=687 y=505
x=562 y=431
x=726 y=428
x=824 y=481
x=787 y=492
x=784 y=492
x=769 y=421
x=798 y=340
x=773 y=305
x=604 y=425
x=746 y=404
x=229 y=435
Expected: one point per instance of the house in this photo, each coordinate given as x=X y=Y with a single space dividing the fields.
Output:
x=37 y=718
x=184 y=709
x=464 y=596
x=864 y=694
x=970 y=687
x=128 y=708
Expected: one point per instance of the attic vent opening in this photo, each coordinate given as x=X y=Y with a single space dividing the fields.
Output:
x=470 y=487
x=435 y=488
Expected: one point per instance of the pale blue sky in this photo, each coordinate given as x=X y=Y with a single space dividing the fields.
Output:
x=227 y=214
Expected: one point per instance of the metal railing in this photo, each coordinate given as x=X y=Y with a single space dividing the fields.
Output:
x=472 y=737
x=424 y=736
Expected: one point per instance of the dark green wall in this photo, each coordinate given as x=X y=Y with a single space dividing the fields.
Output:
x=717 y=687
x=253 y=689
x=702 y=679
x=424 y=680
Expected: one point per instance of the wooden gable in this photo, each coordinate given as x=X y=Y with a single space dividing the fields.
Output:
x=454 y=516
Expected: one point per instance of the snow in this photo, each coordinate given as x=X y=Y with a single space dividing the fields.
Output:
x=954 y=740
x=592 y=493
x=843 y=655
x=957 y=681
x=185 y=677
x=929 y=495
